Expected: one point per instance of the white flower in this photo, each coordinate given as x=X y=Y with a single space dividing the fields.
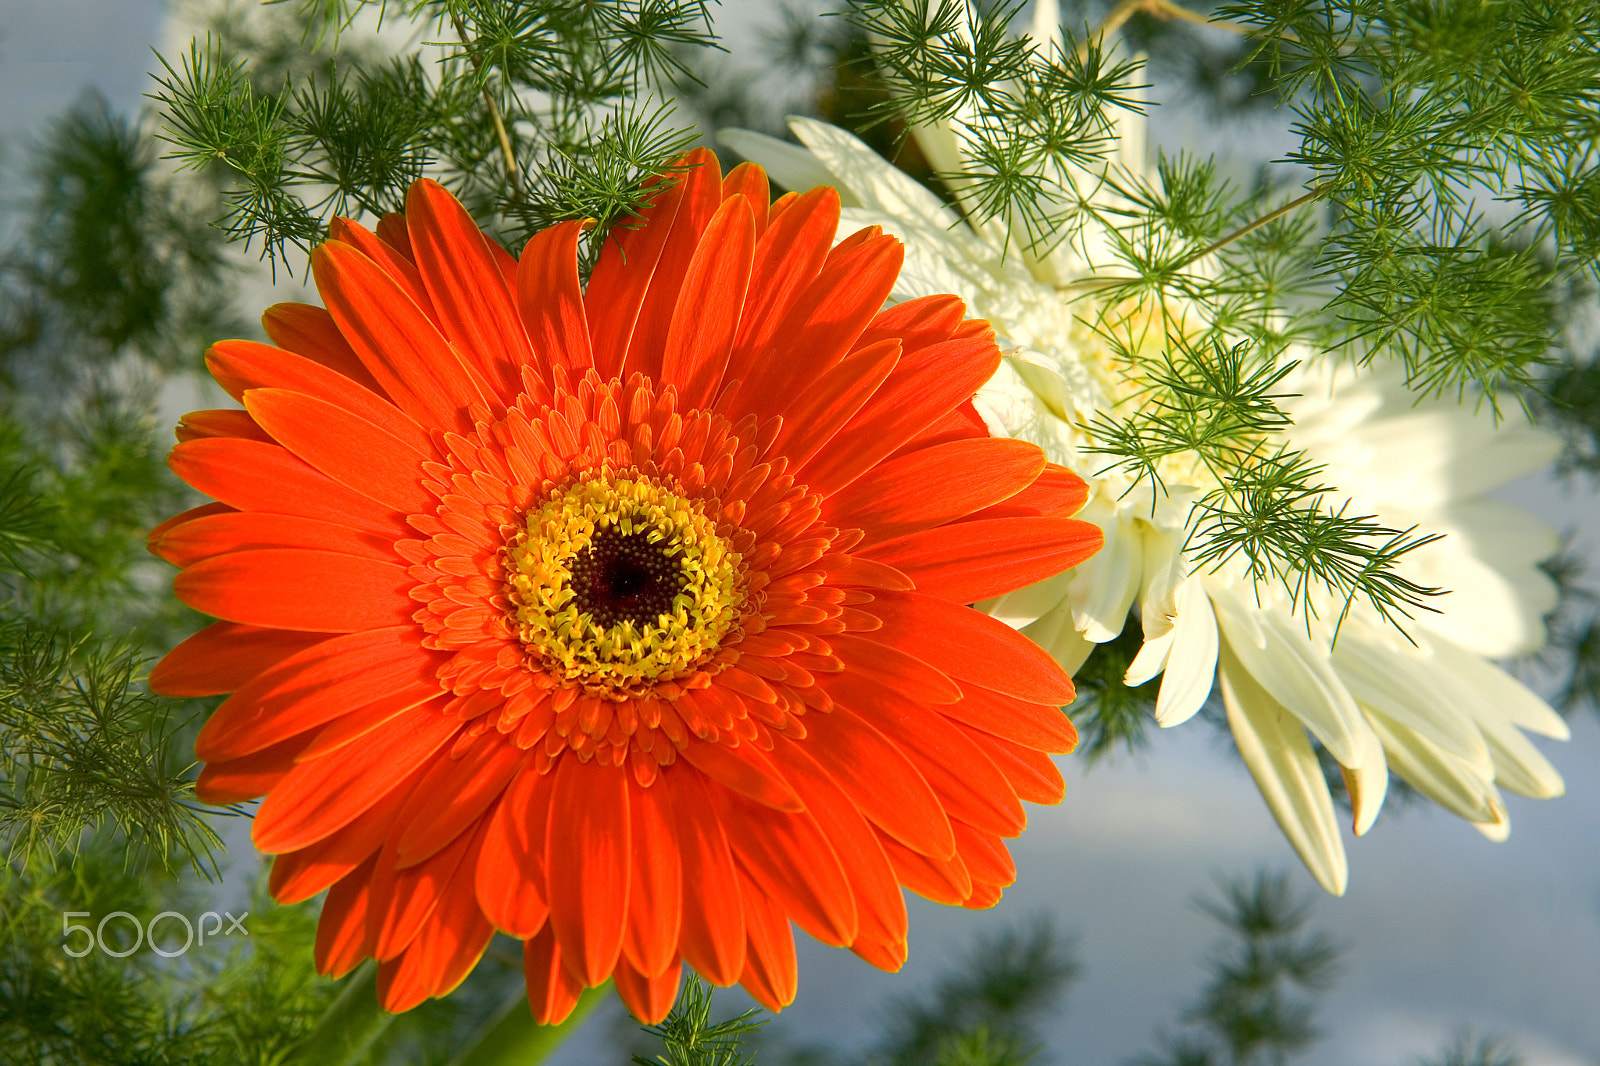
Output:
x=1436 y=712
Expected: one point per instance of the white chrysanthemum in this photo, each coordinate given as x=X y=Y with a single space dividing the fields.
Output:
x=1436 y=711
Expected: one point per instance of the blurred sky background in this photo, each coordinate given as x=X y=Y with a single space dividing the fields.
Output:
x=1444 y=929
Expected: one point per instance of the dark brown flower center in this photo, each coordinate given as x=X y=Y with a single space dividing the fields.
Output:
x=625 y=577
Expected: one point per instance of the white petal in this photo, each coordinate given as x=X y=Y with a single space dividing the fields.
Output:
x=1413 y=689
x=1451 y=453
x=1192 y=665
x=1499 y=829
x=1163 y=572
x=1275 y=748
x=1151 y=660
x=1027 y=605
x=934 y=263
x=789 y=165
x=1045 y=28
x=1043 y=376
x=1462 y=788
x=879 y=185
x=1056 y=634
x=1103 y=587
x=940 y=147
x=1503 y=697
x=1006 y=403
x=1299 y=674
x=1368 y=783
x=1518 y=766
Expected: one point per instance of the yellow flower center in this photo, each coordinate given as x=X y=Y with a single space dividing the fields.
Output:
x=618 y=582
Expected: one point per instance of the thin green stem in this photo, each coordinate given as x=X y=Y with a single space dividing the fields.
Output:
x=513 y=175
x=1096 y=284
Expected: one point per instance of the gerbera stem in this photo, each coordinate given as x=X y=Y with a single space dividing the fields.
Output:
x=512 y=1038
x=350 y=1025
x=513 y=175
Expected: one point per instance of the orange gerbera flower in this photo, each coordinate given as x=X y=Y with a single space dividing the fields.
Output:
x=630 y=621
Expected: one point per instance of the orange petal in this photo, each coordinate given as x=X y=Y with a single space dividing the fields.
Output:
x=450 y=944
x=943 y=881
x=230 y=531
x=402 y=268
x=550 y=298
x=240 y=366
x=510 y=875
x=786 y=260
x=876 y=775
x=745 y=769
x=750 y=181
x=628 y=261
x=959 y=423
x=702 y=195
x=395 y=339
x=983 y=896
x=1058 y=491
x=970 y=561
x=822 y=325
x=317 y=591
x=971 y=646
x=1033 y=776
x=402 y=900
x=552 y=989
x=832 y=400
x=984 y=855
x=892 y=499
x=792 y=862
x=249 y=777
x=313 y=687
x=370 y=715
x=770 y=973
x=454 y=794
x=391 y=230
x=713 y=938
x=782 y=204
x=456 y=934
x=880 y=907
x=655 y=893
x=1032 y=725
x=342 y=927
x=224 y=656
x=709 y=305
x=917 y=323
x=349 y=449
x=322 y=796
x=299 y=875
x=967 y=783
x=648 y=999
x=890 y=666
x=252 y=476
x=225 y=422
x=474 y=307
x=310 y=331
x=205 y=510
x=587 y=852
x=400 y=987
x=926 y=384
